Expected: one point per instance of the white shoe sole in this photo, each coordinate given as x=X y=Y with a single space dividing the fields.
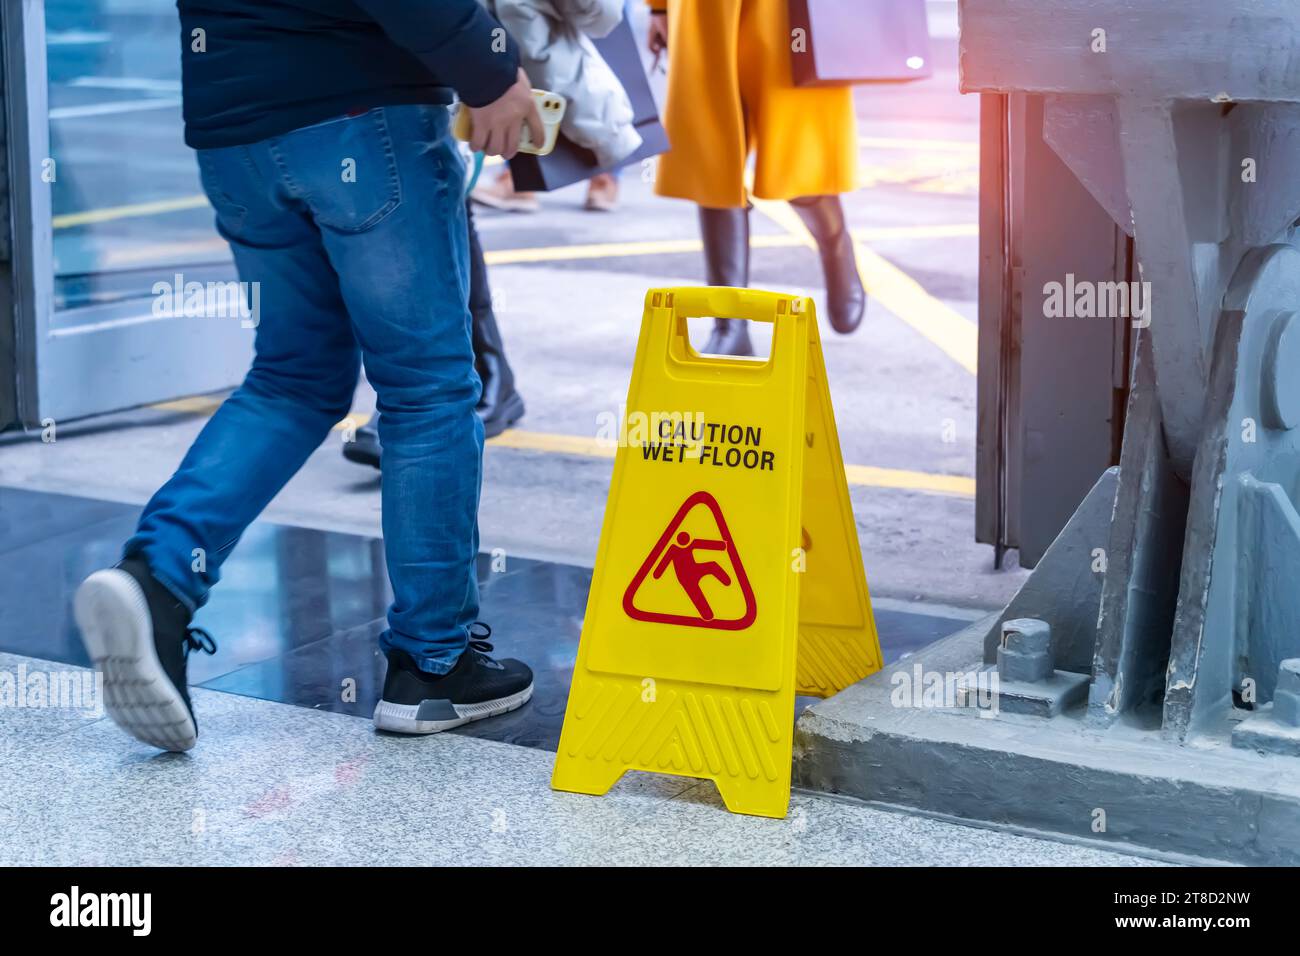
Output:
x=401 y=718
x=113 y=617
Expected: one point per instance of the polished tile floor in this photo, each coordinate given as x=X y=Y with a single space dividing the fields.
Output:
x=297 y=611
x=272 y=784
x=285 y=773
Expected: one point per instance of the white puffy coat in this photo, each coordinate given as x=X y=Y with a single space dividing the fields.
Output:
x=554 y=38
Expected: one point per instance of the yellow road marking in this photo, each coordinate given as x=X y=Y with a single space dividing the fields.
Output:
x=553 y=443
x=957 y=182
x=151 y=252
x=354 y=420
x=872 y=477
x=166 y=254
x=955 y=335
x=870 y=176
x=872 y=142
x=866 y=476
x=195 y=405
x=126 y=212
x=611 y=250
x=595 y=250
x=897 y=291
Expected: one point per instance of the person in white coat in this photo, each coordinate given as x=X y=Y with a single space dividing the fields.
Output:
x=557 y=52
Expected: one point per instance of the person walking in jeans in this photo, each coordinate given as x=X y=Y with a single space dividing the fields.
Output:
x=500 y=405
x=323 y=145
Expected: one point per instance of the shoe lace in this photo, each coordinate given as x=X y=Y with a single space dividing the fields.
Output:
x=478 y=640
x=197 y=639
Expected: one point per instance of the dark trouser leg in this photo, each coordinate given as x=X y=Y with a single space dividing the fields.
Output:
x=846 y=299
x=726 y=262
x=501 y=406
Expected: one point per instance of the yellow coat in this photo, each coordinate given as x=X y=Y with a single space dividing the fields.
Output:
x=730 y=94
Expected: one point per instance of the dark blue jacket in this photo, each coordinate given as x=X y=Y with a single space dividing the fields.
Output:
x=257 y=68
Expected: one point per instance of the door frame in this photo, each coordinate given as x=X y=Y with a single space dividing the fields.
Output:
x=1042 y=438
x=27 y=145
x=73 y=363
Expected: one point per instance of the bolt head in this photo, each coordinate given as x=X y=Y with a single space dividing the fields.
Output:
x=1028 y=635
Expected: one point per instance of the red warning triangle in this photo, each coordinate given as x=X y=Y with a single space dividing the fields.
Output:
x=685 y=558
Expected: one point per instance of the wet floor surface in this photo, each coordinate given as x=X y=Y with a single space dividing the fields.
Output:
x=298 y=611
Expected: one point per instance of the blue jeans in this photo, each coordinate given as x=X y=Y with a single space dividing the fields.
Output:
x=354 y=230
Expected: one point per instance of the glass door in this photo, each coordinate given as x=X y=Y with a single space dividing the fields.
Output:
x=123 y=292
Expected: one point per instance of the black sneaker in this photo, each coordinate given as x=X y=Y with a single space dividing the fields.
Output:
x=416 y=702
x=139 y=637
x=364 y=448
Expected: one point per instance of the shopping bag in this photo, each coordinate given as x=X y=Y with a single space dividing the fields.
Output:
x=569 y=163
x=841 y=42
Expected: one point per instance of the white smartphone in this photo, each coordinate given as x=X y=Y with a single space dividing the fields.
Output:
x=550 y=106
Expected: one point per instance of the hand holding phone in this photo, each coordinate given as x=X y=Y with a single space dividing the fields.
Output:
x=521 y=120
x=495 y=128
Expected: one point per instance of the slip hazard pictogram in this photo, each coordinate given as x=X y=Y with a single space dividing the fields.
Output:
x=693 y=575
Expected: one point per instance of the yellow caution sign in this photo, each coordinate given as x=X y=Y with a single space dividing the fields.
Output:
x=729 y=576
